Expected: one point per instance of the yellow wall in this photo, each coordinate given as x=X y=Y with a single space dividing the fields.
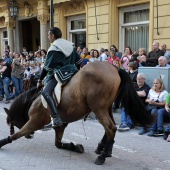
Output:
x=102 y=14
x=163 y=22
x=33 y=4
x=107 y=13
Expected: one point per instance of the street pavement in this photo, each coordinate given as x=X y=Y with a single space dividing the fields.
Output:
x=130 y=151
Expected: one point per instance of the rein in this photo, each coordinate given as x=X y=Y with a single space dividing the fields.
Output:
x=36 y=94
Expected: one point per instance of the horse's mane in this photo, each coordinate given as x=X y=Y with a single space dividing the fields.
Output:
x=22 y=103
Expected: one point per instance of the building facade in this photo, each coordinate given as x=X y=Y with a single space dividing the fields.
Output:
x=91 y=23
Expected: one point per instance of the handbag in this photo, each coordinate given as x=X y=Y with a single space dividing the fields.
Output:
x=149 y=107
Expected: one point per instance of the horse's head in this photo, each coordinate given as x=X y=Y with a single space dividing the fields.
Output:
x=17 y=114
x=15 y=119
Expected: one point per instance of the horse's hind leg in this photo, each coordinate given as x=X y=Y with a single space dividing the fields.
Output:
x=101 y=145
x=59 y=131
x=106 y=119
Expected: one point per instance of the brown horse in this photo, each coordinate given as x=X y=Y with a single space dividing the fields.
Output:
x=93 y=88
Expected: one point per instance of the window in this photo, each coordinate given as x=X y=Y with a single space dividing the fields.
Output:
x=134 y=28
x=4 y=36
x=76 y=30
x=78 y=24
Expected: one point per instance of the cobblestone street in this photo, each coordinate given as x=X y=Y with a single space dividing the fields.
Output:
x=130 y=151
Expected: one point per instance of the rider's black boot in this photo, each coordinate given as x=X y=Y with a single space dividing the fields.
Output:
x=56 y=120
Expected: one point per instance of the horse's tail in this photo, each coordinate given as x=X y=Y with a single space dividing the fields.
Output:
x=131 y=102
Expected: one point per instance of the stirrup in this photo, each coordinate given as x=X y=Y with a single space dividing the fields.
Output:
x=48 y=126
x=56 y=122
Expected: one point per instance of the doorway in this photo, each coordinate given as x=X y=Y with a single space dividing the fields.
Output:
x=30 y=34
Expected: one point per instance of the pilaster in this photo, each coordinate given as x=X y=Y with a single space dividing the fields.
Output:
x=151 y=24
x=10 y=25
x=113 y=24
x=43 y=16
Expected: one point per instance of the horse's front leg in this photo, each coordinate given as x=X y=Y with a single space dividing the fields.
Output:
x=26 y=130
x=59 y=131
x=9 y=139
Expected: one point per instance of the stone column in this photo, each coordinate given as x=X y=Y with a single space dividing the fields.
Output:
x=43 y=30
x=10 y=29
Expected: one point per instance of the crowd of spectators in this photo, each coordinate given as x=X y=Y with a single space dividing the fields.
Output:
x=155 y=96
x=18 y=70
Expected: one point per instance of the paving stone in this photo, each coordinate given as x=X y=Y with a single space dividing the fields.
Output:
x=130 y=152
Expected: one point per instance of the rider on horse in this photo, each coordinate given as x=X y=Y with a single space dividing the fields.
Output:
x=61 y=60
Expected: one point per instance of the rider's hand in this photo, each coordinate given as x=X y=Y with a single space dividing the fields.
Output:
x=39 y=84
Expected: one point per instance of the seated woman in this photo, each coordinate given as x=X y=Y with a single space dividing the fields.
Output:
x=118 y=63
x=118 y=54
x=112 y=57
x=126 y=57
x=35 y=70
x=39 y=59
x=142 y=57
x=156 y=98
x=95 y=56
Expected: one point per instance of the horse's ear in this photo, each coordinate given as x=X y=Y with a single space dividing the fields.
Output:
x=7 y=111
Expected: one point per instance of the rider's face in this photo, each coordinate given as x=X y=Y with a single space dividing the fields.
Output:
x=51 y=37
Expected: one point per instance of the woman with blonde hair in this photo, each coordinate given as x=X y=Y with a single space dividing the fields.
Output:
x=156 y=101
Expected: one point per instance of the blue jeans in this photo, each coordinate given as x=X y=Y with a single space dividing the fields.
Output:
x=161 y=115
x=18 y=84
x=1 y=89
x=6 y=81
x=167 y=129
x=125 y=119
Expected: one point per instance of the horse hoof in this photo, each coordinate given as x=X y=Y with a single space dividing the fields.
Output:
x=109 y=154
x=79 y=148
x=100 y=160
